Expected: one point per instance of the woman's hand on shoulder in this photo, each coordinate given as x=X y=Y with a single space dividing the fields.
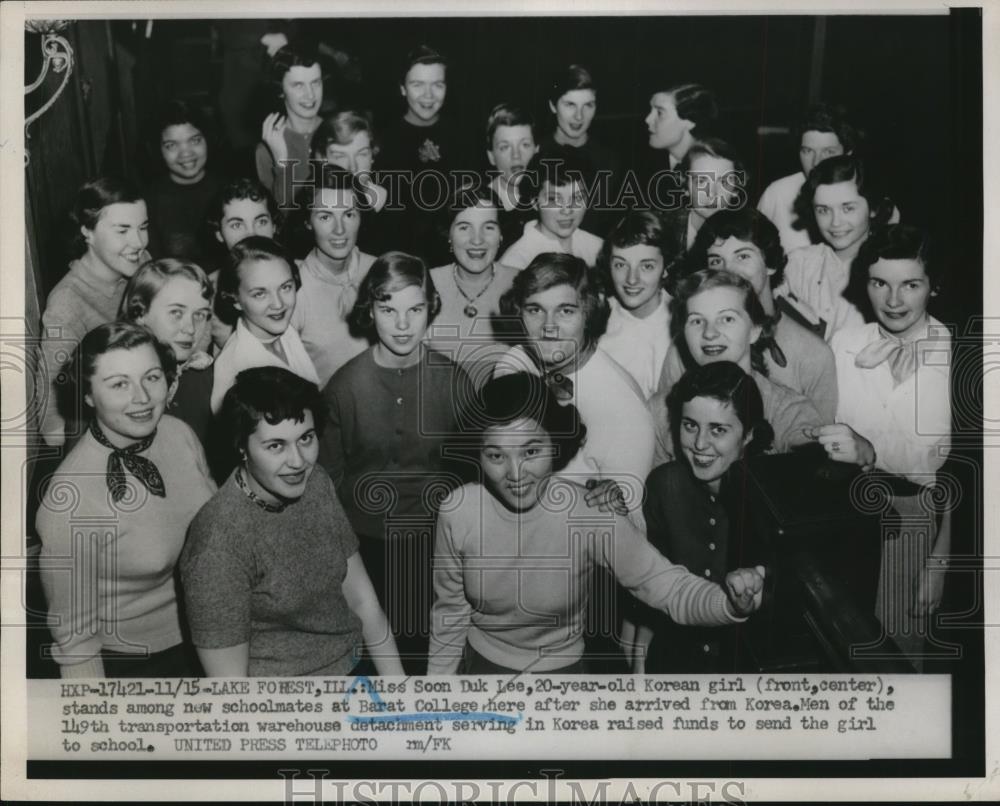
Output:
x=745 y=589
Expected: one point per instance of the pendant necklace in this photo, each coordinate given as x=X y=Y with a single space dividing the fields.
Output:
x=470 y=309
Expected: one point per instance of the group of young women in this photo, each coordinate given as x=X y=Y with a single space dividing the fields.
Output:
x=328 y=429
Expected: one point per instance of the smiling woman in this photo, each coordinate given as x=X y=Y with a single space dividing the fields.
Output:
x=694 y=505
x=113 y=228
x=259 y=284
x=331 y=272
x=271 y=572
x=174 y=301
x=511 y=564
x=115 y=614
x=180 y=197
x=392 y=410
x=282 y=156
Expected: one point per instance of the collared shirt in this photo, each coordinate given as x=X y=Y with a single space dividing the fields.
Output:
x=534 y=242
x=245 y=351
x=815 y=279
x=908 y=424
x=620 y=432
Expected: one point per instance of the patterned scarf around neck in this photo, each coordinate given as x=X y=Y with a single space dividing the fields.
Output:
x=122 y=459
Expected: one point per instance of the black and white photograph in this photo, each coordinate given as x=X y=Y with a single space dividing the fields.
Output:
x=415 y=402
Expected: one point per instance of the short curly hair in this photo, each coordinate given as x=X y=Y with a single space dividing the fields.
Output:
x=272 y=394
x=746 y=224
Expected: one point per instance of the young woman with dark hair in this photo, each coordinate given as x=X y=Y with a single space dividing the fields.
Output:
x=572 y=100
x=113 y=231
x=142 y=475
x=511 y=566
x=332 y=270
x=695 y=506
x=678 y=117
x=424 y=141
x=471 y=285
x=894 y=415
x=272 y=578
x=180 y=198
x=716 y=316
x=824 y=132
x=842 y=203
x=282 y=156
x=634 y=262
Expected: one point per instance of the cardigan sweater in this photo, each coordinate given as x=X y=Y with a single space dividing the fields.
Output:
x=384 y=444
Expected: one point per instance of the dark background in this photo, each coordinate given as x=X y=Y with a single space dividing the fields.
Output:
x=898 y=75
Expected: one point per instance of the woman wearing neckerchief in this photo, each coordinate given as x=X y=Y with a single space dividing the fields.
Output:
x=273 y=581
x=115 y=514
x=894 y=415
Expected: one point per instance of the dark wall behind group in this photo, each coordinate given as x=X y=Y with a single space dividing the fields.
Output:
x=905 y=78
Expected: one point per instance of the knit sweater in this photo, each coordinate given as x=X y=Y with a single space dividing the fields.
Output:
x=107 y=568
x=809 y=366
x=384 y=443
x=515 y=585
x=273 y=580
x=81 y=301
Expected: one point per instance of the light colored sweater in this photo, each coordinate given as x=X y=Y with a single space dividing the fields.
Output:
x=108 y=569
x=80 y=302
x=516 y=585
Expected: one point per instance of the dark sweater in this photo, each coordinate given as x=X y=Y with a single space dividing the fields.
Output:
x=177 y=217
x=383 y=446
